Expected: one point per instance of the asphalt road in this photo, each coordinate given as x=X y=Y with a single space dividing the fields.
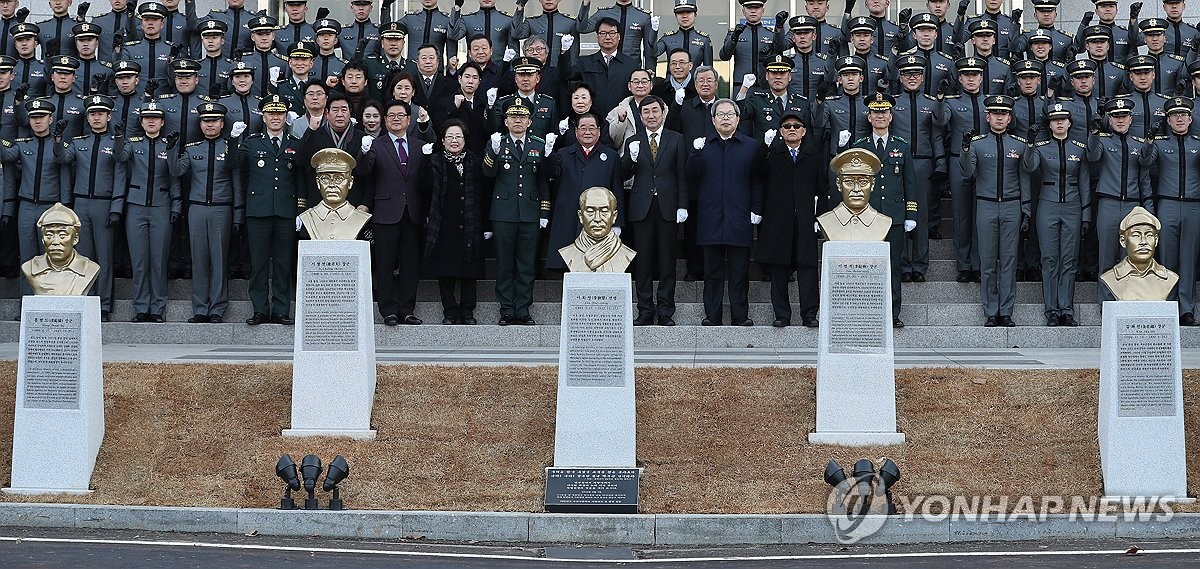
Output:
x=24 y=548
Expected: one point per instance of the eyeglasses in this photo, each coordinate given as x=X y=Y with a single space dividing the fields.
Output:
x=639 y=81
x=396 y=115
x=532 y=50
x=726 y=115
x=453 y=137
x=607 y=34
x=791 y=126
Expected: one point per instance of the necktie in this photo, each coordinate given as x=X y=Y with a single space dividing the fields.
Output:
x=607 y=59
x=879 y=146
x=793 y=156
x=428 y=82
x=402 y=153
x=520 y=148
x=654 y=145
x=275 y=141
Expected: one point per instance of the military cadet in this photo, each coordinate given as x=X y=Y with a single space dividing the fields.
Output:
x=216 y=209
x=552 y=26
x=520 y=198
x=938 y=65
x=895 y=193
x=1001 y=25
x=544 y=111
x=214 y=66
x=180 y=106
x=1001 y=209
x=1179 y=33
x=810 y=67
x=300 y=63
x=93 y=75
x=639 y=31
x=1190 y=86
x=963 y=115
x=362 y=28
x=1045 y=12
x=696 y=42
x=116 y=27
x=297 y=28
x=844 y=115
x=241 y=105
x=326 y=63
x=55 y=32
x=829 y=37
x=42 y=183
x=1148 y=112
x=886 y=31
x=237 y=19
x=267 y=65
x=179 y=28
x=127 y=97
x=275 y=193
x=996 y=68
x=430 y=26
x=90 y=159
x=1167 y=66
x=1121 y=182
x=8 y=104
x=69 y=108
x=490 y=22
x=1058 y=169
x=8 y=19
x=875 y=67
x=390 y=59
x=748 y=42
x=1053 y=72
x=29 y=70
x=1177 y=157
x=153 y=203
x=1110 y=76
x=762 y=110
x=1027 y=109
x=151 y=52
x=1086 y=118
x=1117 y=34
x=913 y=120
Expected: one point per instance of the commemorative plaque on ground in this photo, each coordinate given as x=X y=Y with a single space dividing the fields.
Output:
x=1140 y=418
x=59 y=419
x=856 y=376
x=333 y=373
x=595 y=425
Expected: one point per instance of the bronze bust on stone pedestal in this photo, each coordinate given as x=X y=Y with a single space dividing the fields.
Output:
x=61 y=271
x=334 y=217
x=854 y=219
x=1138 y=276
x=597 y=249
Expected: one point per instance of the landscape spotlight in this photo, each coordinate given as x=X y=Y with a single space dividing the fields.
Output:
x=864 y=476
x=285 y=469
x=889 y=475
x=836 y=476
x=310 y=470
x=339 y=469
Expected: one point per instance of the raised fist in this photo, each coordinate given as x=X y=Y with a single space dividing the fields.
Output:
x=738 y=29
x=427 y=149
x=171 y=140
x=495 y=140
x=1016 y=15
x=769 y=136
x=151 y=88
x=635 y=150
x=322 y=13
x=567 y=41
x=98 y=81
x=238 y=128
x=835 y=45
x=22 y=90
x=81 y=12
x=387 y=5
x=362 y=46
x=679 y=94
x=1134 y=10
x=175 y=49
x=781 y=18
x=550 y=140
x=491 y=96
x=698 y=144
x=654 y=23
x=905 y=15
x=60 y=126
x=1087 y=18
x=51 y=48
x=365 y=146
x=509 y=54
x=118 y=41
x=966 y=140
x=563 y=125
x=962 y=7
x=748 y=80
x=850 y=6
x=1055 y=84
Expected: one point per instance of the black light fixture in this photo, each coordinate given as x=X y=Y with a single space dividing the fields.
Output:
x=835 y=476
x=864 y=476
x=285 y=469
x=310 y=470
x=339 y=469
x=889 y=475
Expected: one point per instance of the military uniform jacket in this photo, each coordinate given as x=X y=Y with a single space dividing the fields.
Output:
x=214 y=181
x=262 y=62
x=151 y=184
x=181 y=116
x=1026 y=113
x=1147 y=113
x=1168 y=68
x=763 y=111
x=544 y=119
x=126 y=113
x=959 y=115
x=887 y=34
x=878 y=67
x=291 y=89
x=696 y=42
x=179 y=27
x=242 y=108
x=429 y=26
x=8 y=115
x=995 y=162
x=1060 y=43
x=844 y=112
x=91 y=161
x=57 y=29
x=1084 y=112
x=1119 y=47
x=812 y=69
x=238 y=36
x=7 y=46
x=41 y=180
x=939 y=66
x=825 y=32
x=895 y=193
x=636 y=34
x=272 y=178
x=379 y=68
x=1179 y=37
x=30 y=72
x=521 y=193
x=152 y=55
x=70 y=107
x=1178 y=161
x=748 y=48
x=356 y=30
x=551 y=27
x=292 y=32
x=1110 y=79
x=914 y=120
x=125 y=22
x=328 y=65
x=996 y=78
x=87 y=69
x=1059 y=171
x=1116 y=158
x=490 y=22
x=1004 y=31
x=214 y=74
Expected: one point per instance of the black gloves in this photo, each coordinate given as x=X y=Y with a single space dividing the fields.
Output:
x=171 y=140
x=81 y=12
x=175 y=217
x=966 y=140
x=962 y=7
x=60 y=126
x=114 y=219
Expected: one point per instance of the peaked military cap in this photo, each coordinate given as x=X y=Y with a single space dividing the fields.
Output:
x=1193 y=68
x=85 y=30
x=38 y=107
x=862 y=24
x=1153 y=26
x=881 y=101
x=517 y=108
x=241 y=67
x=126 y=67
x=780 y=63
x=803 y=23
x=301 y=49
x=7 y=63
x=1040 y=35
x=751 y=3
x=911 y=63
x=1027 y=67
x=851 y=64
x=392 y=30
x=151 y=110
x=64 y=64
x=1140 y=63
x=998 y=103
x=685 y=6
x=969 y=65
x=152 y=10
x=1082 y=67
x=1097 y=33
x=263 y=24
x=525 y=64
x=100 y=103
x=211 y=111
x=983 y=27
x=1178 y=105
x=924 y=20
x=1140 y=216
x=331 y=160
x=856 y=162
x=1045 y=5
x=273 y=104
x=213 y=27
x=1058 y=111
x=24 y=29
x=327 y=26
x=184 y=67
x=1119 y=106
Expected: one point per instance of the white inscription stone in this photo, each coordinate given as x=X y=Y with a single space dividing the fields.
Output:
x=333 y=371
x=1140 y=416
x=596 y=419
x=59 y=419
x=856 y=369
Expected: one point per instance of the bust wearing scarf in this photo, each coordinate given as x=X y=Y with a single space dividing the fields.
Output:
x=597 y=249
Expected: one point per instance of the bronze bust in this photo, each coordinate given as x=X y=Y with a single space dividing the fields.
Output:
x=61 y=271
x=854 y=219
x=597 y=249
x=1138 y=276
x=334 y=217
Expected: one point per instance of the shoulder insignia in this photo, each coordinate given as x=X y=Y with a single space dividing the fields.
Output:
x=1138 y=139
x=503 y=12
x=1002 y=60
x=1079 y=144
x=1175 y=57
x=899 y=139
x=1019 y=139
x=538 y=139
x=1064 y=98
x=1104 y=134
x=979 y=137
x=135 y=139
x=1162 y=137
x=80 y=137
x=197 y=143
x=702 y=33
x=134 y=42
x=863 y=139
x=1117 y=65
x=6 y=143
x=1042 y=143
x=24 y=139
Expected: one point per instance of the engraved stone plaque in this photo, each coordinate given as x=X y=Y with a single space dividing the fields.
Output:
x=857 y=305
x=592 y=490
x=595 y=321
x=1146 y=367
x=330 y=284
x=52 y=365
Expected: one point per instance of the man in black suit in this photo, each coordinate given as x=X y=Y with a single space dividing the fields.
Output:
x=335 y=131
x=693 y=119
x=607 y=70
x=466 y=104
x=390 y=168
x=656 y=159
x=431 y=84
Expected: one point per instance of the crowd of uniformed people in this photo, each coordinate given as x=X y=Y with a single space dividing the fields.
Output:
x=183 y=143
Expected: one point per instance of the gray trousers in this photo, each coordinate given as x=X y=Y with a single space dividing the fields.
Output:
x=209 y=228
x=27 y=235
x=999 y=227
x=1058 y=226
x=962 y=196
x=1178 y=243
x=916 y=249
x=96 y=243
x=1109 y=213
x=148 y=231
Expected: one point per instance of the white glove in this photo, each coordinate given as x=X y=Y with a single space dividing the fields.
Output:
x=495 y=142
x=299 y=224
x=238 y=128
x=427 y=149
x=909 y=225
x=509 y=54
x=273 y=73
x=491 y=96
x=543 y=223
x=816 y=227
x=680 y=215
x=748 y=80
x=488 y=234
x=698 y=144
x=563 y=125
x=679 y=93
x=843 y=138
x=292 y=116
x=755 y=219
x=616 y=231
x=769 y=137
x=550 y=138
x=353 y=121
x=422 y=116
x=458 y=100
x=567 y=42
x=635 y=148
x=366 y=143
x=654 y=22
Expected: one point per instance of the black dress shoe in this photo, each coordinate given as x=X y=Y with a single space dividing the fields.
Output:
x=469 y=320
x=1006 y=321
x=198 y=319
x=391 y=320
x=811 y=322
x=781 y=323
x=157 y=318
x=766 y=278
x=527 y=321
x=258 y=318
x=285 y=320
x=935 y=234
x=140 y=317
x=693 y=277
x=448 y=321
x=918 y=277
x=644 y=320
x=1187 y=319
x=215 y=318
x=666 y=321
x=707 y=322
x=906 y=277
x=105 y=316
x=897 y=323
x=1067 y=320
x=990 y=322
x=976 y=276
x=412 y=320
x=504 y=320
x=1019 y=275
x=1052 y=320
x=746 y=322
x=964 y=276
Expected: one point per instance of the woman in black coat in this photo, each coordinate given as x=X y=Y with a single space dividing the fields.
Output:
x=454 y=231
x=793 y=195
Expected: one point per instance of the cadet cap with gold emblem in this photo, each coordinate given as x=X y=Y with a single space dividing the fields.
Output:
x=38 y=108
x=85 y=30
x=983 y=27
x=1040 y=35
x=862 y=24
x=856 y=162
x=239 y=68
x=263 y=24
x=1119 y=106
x=332 y=160
x=1082 y=67
x=924 y=20
x=392 y=30
x=1058 y=111
x=151 y=110
x=59 y=214
x=100 y=103
x=1045 y=5
x=1139 y=216
x=64 y=64
x=851 y=64
x=1153 y=26
x=301 y=49
x=804 y=23
x=7 y=63
x=517 y=108
x=1027 y=67
x=273 y=104
x=779 y=64
x=24 y=30
x=1178 y=106
x=880 y=102
x=969 y=65
x=152 y=10
x=185 y=67
x=911 y=63
x=1097 y=33
x=327 y=26
x=999 y=104
x=211 y=111
x=525 y=64
x=126 y=67
x=213 y=28
x=1140 y=63
x=685 y=6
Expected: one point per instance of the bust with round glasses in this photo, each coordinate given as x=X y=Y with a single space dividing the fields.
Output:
x=854 y=219
x=334 y=217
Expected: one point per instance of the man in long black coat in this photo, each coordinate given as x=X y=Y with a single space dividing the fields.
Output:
x=572 y=170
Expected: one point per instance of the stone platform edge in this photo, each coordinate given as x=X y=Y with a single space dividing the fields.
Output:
x=631 y=529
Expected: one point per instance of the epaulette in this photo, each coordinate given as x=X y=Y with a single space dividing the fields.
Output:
x=566 y=14
x=1064 y=98
x=930 y=97
x=699 y=32
x=1019 y=139
x=1176 y=57
x=901 y=139
x=863 y=139
x=81 y=137
x=255 y=135
x=503 y=12
x=168 y=96
x=132 y=42
x=979 y=137
x=190 y=144
x=1002 y=60
x=24 y=139
x=1079 y=144
x=1138 y=139
x=1162 y=137
x=1117 y=65
x=135 y=139
x=1042 y=143
x=5 y=143
x=538 y=139
x=959 y=96
x=1104 y=134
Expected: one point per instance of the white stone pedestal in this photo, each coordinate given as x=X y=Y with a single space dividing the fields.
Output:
x=59 y=421
x=333 y=371
x=1141 y=401
x=595 y=424
x=856 y=368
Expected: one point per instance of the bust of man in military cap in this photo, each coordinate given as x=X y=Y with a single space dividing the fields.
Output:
x=854 y=219
x=334 y=217
x=1138 y=276
x=597 y=249
x=60 y=271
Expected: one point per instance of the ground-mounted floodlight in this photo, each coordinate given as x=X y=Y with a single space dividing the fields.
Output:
x=339 y=469
x=285 y=469
x=864 y=476
x=835 y=476
x=310 y=470
x=889 y=475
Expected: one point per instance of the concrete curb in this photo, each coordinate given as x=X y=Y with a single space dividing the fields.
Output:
x=639 y=529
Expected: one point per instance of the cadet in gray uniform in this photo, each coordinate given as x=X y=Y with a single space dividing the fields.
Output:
x=913 y=120
x=1045 y=12
x=696 y=42
x=267 y=65
x=1058 y=169
x=747 y=43
x=1027 y=121
x=810 y=68
x=216 y=207
x=1110 y=76
x=552 y=26
x=29 y=70
x=1177 y=196
x=1107 y=10
x=1086 y=118
x=326 y=63
x=1001 y=209
x=1122 y=183
x=963 y=116
x=297 y=28
x=94 y=74
x=638 y=32
x=90 y=159
x=488 y=21
x=1000 y=23
x=151 y=52
x=41 y=181
x=153 y=202
x=844 y=117
x=362 y=28
x=236 y=18
x=68 y=107
x=8 y=102
x=875 y=67
x=430 y=26
x=241 y=105
x=1147 y=113
x=938 y=65
x=1053 y=72
x=214 y=66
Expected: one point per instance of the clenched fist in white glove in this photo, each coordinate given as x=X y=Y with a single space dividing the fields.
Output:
x=635 y=148
x=679 y=94
x=680 y=215
x=748 y=80
x=698 y=144
x=273 y=73
x=816 y=227
x=292 y=116
x=843 y=138
x=769 y=137
x=755 y=219
x=487 y=235
x=654 y=23
x=366 y=143
x=491 y=96
x=909 y=225
x=427 y=149
x=238 y=128
x=567 y=42
x=563 y=125
x=543 y=223
x=299 y=224
x=509 y=54
x=495 y=139
x=550 y=138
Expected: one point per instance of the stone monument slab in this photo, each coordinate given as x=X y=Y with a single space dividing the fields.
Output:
x=59 y=419
x=856 y=368
x=333 y=371
x=1140 y=417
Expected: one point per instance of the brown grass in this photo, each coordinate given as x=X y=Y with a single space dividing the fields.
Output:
x=461 y=438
